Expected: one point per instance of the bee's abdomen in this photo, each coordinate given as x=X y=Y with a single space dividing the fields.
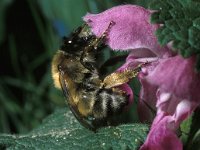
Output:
x=108 y=103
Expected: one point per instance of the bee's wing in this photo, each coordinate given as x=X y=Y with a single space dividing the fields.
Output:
x=86 y=123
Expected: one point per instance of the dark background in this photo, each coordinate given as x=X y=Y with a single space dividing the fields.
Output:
x=30 y=33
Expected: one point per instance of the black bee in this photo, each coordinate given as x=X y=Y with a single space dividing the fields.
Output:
x=92 y=100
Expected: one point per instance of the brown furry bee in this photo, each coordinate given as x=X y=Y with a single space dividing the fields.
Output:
x=92 y=100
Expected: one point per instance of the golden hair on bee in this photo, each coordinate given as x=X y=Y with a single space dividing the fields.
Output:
x=54 y=68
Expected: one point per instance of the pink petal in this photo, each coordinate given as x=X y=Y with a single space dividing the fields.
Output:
x=172 y=85
x=183 y=110
x=166 y=102
x=177 y=96
x=131 y=30
x=177 y=75
x=178 y=109
x=147 y=102
x=161 y=136
x=173 y=80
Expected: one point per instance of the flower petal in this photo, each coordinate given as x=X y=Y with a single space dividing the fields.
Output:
x=147 y=102
x=177 y=96
x=183 y=110
x=177 y=75
x=161 y=136
x=131 y=30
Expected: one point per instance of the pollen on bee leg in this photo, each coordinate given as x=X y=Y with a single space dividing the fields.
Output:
x=118 y=90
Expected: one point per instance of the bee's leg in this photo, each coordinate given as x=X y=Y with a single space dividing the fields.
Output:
x=93 y=47
x=119 y=78
x=89 y=53
x=87 y=59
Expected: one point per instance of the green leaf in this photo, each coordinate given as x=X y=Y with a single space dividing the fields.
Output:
x=181 y=24
x=61 y=131
x=193 y=136
x=185 y=129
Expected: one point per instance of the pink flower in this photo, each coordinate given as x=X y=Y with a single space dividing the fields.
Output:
x=177 y=86
x=161 y=135
x=169 y=82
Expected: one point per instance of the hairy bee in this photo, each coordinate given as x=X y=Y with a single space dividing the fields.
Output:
x=92 y=100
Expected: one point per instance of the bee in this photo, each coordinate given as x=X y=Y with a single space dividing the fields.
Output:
x=92 y=99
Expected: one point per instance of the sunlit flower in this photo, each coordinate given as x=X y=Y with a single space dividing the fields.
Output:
x=169 y=83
